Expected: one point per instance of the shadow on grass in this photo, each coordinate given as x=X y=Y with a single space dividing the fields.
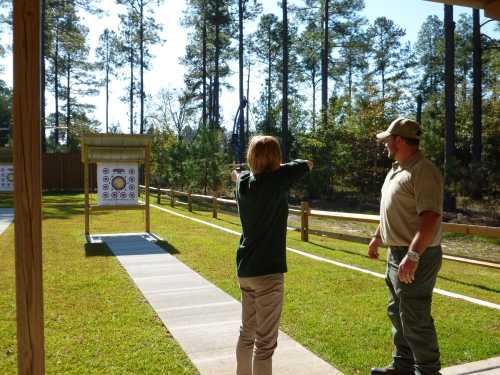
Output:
x=97 y=250
x=168 y=247
x=102 y=250
x=344 y=251
x=474 y=285
x=479 y=286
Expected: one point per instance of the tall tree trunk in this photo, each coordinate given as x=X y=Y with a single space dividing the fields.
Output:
x=284 y=111
x=204 y=120
x=108 y=57
x=324 y=63
x=382 y=72
x=419 y=109
x=313 y=76
x=349 y=83
x=210 y=89
x=240 y=60
x=247 y=118
x=268 y=114
x=216 y=73
x=56 y=86
x=131 y=93
x=68 y=99
x=141 y=40
x=449 y=82
x=477 y=126
x=42 y=78
x=477 y=91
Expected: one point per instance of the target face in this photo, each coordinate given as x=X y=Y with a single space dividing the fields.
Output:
x=6 y=177
x=117 y=183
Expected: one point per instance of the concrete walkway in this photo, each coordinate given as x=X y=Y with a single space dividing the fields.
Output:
x=6 y=217
x=201 y=317
x=487 y=367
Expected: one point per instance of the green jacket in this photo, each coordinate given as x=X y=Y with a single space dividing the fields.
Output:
x=263 y=207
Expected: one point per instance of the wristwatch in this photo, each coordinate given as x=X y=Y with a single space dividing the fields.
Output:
x=413 y=255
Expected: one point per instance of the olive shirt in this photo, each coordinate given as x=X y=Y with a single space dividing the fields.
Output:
x=263 y=208
x=409 y=189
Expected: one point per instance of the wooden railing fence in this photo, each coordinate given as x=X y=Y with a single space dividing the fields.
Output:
x=306 y=213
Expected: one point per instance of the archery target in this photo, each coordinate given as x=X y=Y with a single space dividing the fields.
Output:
x=117 y=183
x=6 y=177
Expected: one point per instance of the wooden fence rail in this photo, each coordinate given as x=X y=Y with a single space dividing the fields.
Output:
x=305 y=213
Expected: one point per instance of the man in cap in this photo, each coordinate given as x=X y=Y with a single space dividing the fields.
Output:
x=410 y=225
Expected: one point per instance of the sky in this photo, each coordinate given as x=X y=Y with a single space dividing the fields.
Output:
x=167 y=71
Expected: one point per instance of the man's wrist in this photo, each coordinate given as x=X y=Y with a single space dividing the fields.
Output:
x=413 y=255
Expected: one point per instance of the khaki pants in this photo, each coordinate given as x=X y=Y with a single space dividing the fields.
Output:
x=261 y=301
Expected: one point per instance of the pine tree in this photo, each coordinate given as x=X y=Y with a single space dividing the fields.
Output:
x=211 y=24
x=267 y=49
x=308 y=48
x=429 y=49
x=391 y=60
x=107 y=60
x=145 y=31
x=78 y=72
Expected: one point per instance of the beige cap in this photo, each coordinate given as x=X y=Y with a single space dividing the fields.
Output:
x=403 y=127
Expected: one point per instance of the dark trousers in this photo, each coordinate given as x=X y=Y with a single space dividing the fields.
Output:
x=409 y=309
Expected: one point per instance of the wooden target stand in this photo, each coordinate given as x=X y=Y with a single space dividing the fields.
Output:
x=116 y=148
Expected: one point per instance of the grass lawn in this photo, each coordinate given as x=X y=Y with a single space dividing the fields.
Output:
x=96 y=322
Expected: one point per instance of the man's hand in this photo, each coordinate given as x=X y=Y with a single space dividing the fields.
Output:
x=373 y=248
x=310 y=164
x=407 y=269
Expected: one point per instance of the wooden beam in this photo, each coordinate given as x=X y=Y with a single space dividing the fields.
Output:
x=478 y=4
x=491 y=7
x=28 y=187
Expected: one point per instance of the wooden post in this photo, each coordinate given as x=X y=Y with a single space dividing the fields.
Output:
x=86 y=188
x=190 y=202
x=28 y=187
x=158 y=196
x=172 y=198
x=304 y=224
x=214 y=206
x=146 y=187
x=61 y=174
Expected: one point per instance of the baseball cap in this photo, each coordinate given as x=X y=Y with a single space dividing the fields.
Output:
x=403 y=127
